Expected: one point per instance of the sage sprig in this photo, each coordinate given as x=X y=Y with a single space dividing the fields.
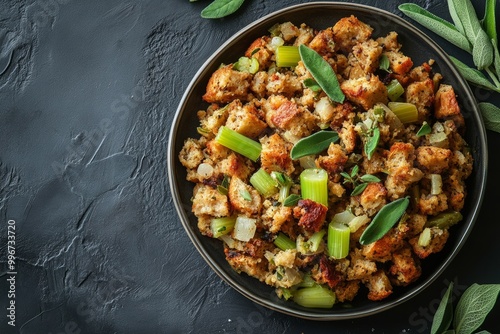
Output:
x=491 y=116
x=322 y=72
x=220 y=8
x=359 y=183
x=313 y=144
x=384 y=220
x=472 y=309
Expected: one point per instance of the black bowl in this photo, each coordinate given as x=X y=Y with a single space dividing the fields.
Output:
x=320 y=15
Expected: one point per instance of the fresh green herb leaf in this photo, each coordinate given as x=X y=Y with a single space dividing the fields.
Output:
x=454 y=17
x=372 y=142
x=384 y=64
x=491 y=116
x=473 y=307
x=444 y=314
x=322 y=72
x=354 y=171
x=482 y=51
x=313 y=144
x=224 y=186
x=292 y=200
x=436 y=24
x=425 y=129
x=221 y=8
x=312 y=85
x=489 y=21
x=496 y=58
x=384 y=220
x=369 y=178
x=254 y=51
x=246 y=195
x=473 y=75
x=359 y=189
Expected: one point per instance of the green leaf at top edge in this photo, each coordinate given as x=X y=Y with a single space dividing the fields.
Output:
x=437 y=25
x=473 y=76
x=322 y=72
x=491 y=116
x=454 y=16
x=221 y=8
x=473 y=307
x=444 y=314
x=489 y=21
x=384 y=220
x=467 y=16
x=496 y=58
x=313 y=144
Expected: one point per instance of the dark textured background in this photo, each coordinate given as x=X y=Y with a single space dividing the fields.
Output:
x=86 y=103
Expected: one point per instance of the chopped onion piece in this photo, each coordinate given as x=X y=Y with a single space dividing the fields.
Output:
x=244 y=228
x=343 y=217
x=357 y=222
x=230 y=242
x=436 y=184
x=307 y=162
x=205 y=170
x=425 y=237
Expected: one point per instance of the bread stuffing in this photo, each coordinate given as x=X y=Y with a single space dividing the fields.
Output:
x=295 y=173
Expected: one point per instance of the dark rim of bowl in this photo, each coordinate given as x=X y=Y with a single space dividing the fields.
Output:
x=412 y=291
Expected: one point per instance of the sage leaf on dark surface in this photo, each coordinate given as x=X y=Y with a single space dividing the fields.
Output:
x=372 y=143
x=437 y=25
x=489 y=21
x=491 y=116
x=473 y=307
x=384 y=220
x=322 y=72
x=454 y=17
x=496 y=58
x=444 y=314
x=221 y=8
x=313 y=144
x=482 y=51
x=473 y=75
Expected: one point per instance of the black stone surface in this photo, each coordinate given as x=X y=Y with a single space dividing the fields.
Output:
x=88 y=90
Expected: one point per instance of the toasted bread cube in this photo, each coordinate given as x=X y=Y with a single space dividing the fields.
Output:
x=405 y=269
x=373 y=198
x=378 y=285
x=209 y=201
x=236 y=191
x=245 y=120
x=275 y=155
x=226 y=85
x=434 y=160
x=421 y=94
x=399 y=63
x=324 y=43
x=365 y=92
x=350 y=31
x=438 y=241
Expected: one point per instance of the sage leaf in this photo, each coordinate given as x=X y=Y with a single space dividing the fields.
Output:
x=483 y=332
x=221 y=8
x=322 y=72
x=482 y=51
x=467 y=16
x=489 y=21
x=444 y=314
x=472 y=75
x=313 y=144
x=437 y=25
x=384 y=220
x=454 y=16
x=491 y=116
x=496 y=61
x=473 y=307
x=372 y=143
x=312 y=85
